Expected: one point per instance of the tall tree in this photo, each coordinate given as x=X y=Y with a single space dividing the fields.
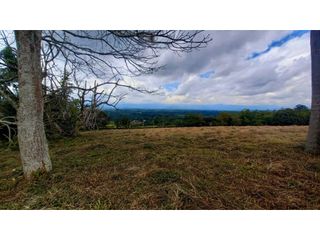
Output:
x=109 y=56
x=33 y=145
x=313 y=139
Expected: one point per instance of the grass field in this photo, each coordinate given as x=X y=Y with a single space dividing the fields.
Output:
x=174 y=168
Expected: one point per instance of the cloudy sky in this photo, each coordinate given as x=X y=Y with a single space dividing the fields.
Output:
x=237 y=68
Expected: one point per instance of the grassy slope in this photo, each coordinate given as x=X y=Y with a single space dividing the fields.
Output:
x=176 y=168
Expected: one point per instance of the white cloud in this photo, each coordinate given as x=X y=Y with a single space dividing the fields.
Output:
x=279 y=77
x=175 y=99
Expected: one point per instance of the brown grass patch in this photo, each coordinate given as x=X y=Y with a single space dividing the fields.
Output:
x=170 y=168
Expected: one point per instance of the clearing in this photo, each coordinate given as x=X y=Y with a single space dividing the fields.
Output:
x=170 y=168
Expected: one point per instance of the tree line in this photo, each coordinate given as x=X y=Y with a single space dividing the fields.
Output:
x=299 y=115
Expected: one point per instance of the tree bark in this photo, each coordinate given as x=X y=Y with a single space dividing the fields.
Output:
x=33 y=145
x=313 y=139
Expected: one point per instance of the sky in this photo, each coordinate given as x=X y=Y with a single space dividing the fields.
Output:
x=237 y=70
x=259 y=69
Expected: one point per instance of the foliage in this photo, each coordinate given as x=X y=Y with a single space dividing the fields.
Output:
x=102 y=119
x=186 y=118
x=123 y=122
x=193 y=120
x=61 y=111
x=8 y=92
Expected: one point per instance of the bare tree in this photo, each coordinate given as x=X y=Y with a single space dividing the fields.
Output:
x=106 y=55
x=313 y=139
x=111 y=56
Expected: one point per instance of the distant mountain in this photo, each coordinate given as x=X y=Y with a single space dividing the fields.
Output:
x=217 y=107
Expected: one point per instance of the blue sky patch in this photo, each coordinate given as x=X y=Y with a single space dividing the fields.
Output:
x=206 y=74
x=279 y=43
x=171 y=86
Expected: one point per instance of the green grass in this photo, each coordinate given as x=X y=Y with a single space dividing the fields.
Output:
x=173 y=168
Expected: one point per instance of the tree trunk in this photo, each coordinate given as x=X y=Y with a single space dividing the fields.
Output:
x=313 y=139
x=31 y=134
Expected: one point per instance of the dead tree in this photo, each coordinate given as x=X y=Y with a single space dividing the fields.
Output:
x=89 y=114
x=109 y=56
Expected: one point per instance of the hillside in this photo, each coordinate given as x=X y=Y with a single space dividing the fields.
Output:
x=170 y=168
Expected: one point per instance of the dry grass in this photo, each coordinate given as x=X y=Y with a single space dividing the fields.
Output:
x=176 y=168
